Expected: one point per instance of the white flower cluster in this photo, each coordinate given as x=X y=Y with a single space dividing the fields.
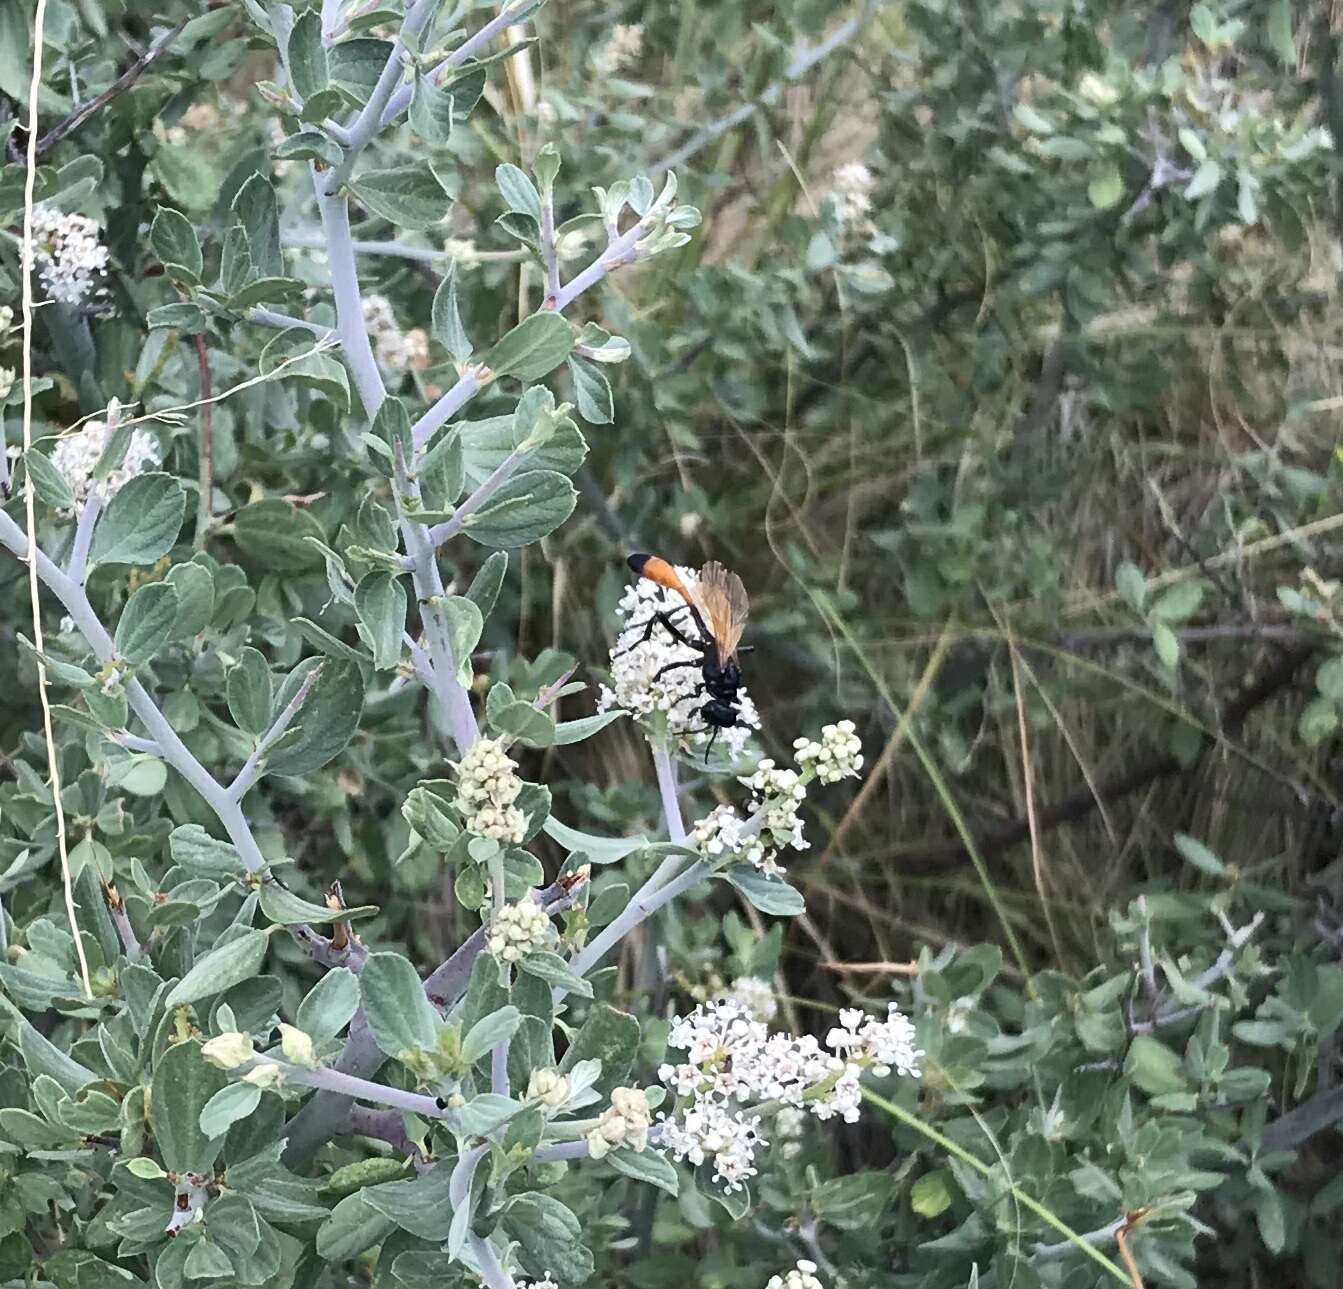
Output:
x=774 y=823
x=635 y=684
x=802 y=1276
x=76 y=454
x=625 y=1123
x=546 y=1283
x=395 y=350
x=68 y=253
x=851 y=194
x=487 y=787
x=754 y=996
x=621 y=48
x=789 y=1125
x=838 y=755
x=519 y=928
x=732 y=1056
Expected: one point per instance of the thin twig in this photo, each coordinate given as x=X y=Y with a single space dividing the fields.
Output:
x=204 y=449
x=115 y=90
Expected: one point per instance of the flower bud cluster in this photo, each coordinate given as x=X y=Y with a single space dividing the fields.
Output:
x=228 y=1051
x=625 y=1123
x=75 y=456
x=68 y=253
x=622 y=47
x=487 y=787
x=396 y=351
x=519 y=928
x=732 y=1056
x=754 y=996
x=637 y=685
x=802 y=1276
x=549 y=1087
x=838 y=755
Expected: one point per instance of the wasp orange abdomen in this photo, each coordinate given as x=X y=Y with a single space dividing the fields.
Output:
x=656 y=569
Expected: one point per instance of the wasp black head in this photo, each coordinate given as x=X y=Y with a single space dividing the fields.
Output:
x=637 y=561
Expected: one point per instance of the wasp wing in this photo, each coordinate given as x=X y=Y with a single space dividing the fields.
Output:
x=723 y=599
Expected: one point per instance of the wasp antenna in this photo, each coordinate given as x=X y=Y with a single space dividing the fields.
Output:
x=637 y=561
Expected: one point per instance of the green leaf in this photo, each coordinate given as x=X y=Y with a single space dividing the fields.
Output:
x=431 y=111
x=355 y=65
x=206 y=1261
x=380 y=601
x=400 y=1017
x=77 y=1268
x=1318 y=721
x=141 y=522
x=446 y=319
x=195 y=850
x=486 y=443
x=1178 y=603
x=592 y=390
x=855 y=1202
x=223 y=967
x=553 y=969
x=186 y=175
x=329 y=1004
x=408 y=196
x=583 y=728
x=281 y=905
x=232 y=1102
x=48 y=482
x=1167 y=644
x=195 y=599
x=1196 y=853
x=182 y=316
x=1205 y=180
x=1279 y=30
x=307 y=55
x=309 y=145
x=354 y=1225
x=484 y=589
x=146 y=623
x=184 y=1082
x=1106 y=189
x=328 y=719
x=610 y=1036
x=534 y=348
x=550 y=1236
x=250 y=692
x=595 y=849
x=1153 y=1067
x=257 y=211
x=646 y=1166
x=464 y=627
x=275 y=534
x=931 y=1195
x=524 y=510
x=173 y=239
x=488 y=1032
x=518 y=191
x=770 y=895
x=522 y=721
x=1329 y=678
x=1131 y=585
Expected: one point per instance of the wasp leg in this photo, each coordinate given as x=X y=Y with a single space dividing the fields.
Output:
x=648 y=624
x=677 y=666
x=709 y=748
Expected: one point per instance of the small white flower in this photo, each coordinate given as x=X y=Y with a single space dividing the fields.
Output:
x=68 y=253
x=708 y=1131
x=625 y=1123
x=851 y=193
x=622 y=47
x=754 y=996
x=395 y=350
x=879 y=1045
x=460 y=249
x=228 y=1051
x=637 y=685
x=547 y=1283
x=487 y=786
x=75 y=456
x=802 y=1276
x=519 y=928
x=7 y=375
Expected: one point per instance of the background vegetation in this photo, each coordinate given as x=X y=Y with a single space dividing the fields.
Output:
x=1004 y=371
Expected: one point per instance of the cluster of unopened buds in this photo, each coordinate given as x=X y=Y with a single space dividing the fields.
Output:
x=802 y=1276
x=774 y=823
x=233 y=1050
x=732 y=1057
x=519 y=928
x=396 y=351
x=549 y=1087
x=487 y=787
x=623 y=1125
